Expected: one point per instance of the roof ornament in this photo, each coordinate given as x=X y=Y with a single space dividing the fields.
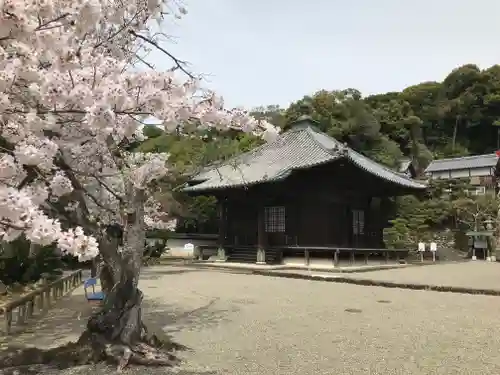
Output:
x=344 y=149
x=305 y=110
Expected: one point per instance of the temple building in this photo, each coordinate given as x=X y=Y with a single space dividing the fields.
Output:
x=304 y=189
x=481 y=171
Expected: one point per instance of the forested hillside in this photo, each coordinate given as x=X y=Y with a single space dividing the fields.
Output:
x=455 y=117
x=458 y=116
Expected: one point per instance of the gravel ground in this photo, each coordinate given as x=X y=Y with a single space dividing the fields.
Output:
x=245 y=324
x=477 y=274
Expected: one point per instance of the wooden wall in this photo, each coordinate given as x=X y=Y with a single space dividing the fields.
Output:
x=318 y=203
x=241 y=222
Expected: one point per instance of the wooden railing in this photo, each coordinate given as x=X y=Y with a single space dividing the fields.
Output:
x=193 y=236
x=336 y=251
x=39 y=300
x=307 y=251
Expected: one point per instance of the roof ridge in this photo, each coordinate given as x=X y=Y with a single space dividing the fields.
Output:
x=350 y=149
x=315 y=148
x=385 y=167
x=333 y=151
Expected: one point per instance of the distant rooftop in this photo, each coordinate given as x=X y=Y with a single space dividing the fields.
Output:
x=465 y=162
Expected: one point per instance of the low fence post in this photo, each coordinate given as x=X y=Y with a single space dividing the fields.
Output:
x=41 y=302
x=8 y=320
x=21 y=314
x=47 y=300
x=30 y=308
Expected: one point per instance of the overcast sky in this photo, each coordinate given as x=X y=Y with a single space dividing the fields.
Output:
x=259 y=52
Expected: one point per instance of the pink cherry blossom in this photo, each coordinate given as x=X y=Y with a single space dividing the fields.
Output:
x=70 y=102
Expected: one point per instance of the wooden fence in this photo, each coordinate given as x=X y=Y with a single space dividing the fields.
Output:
x=39 y=300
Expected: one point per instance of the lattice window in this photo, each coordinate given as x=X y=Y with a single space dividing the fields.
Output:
x=275 y=219
x=358 y=222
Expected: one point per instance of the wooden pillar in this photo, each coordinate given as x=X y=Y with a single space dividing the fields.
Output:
x=222 y=213
x=336 y=258
x=307 y=257
x=261 y=235
x=352 y=258
x=292 y=221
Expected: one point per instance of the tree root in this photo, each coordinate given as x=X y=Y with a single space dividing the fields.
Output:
x=139 y=354
x=90 y=349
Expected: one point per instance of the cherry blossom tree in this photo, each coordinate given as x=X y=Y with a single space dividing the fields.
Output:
x=71 y=107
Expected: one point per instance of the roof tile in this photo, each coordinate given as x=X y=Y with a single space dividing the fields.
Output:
x=295 y=149
x=466 y=162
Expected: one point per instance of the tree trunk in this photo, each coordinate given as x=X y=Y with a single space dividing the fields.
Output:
x=93 y=267
x=496 y=243
x=116 y=331
x=455 y=134
x=118 y=328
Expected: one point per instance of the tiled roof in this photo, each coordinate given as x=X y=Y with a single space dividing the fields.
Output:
x=466 y=162
x=298 y=148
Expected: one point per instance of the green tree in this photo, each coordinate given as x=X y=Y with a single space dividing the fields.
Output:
x=188 y=156
x=345 y=116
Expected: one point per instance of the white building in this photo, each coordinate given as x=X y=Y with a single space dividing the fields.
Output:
x=481 y=169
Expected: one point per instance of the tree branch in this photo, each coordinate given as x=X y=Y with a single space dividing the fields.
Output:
x=111 y=191
x=74 y=111
x=43 y=25
x=10 y=225
x=178 y=63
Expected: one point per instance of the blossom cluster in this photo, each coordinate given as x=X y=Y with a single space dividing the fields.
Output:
x=155 y=216
x=19 y=216
x=70 y=104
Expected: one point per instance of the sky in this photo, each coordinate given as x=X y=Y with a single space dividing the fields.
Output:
x=261 y=52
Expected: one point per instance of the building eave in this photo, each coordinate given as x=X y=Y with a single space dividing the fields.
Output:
x=314 y=148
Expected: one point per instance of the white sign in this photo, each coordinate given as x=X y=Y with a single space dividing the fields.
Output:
x=480 y=243
x=421 y=246
x=189 y=247
x=433 y=247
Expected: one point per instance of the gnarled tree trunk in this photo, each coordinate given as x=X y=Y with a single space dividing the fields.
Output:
x=116 y=331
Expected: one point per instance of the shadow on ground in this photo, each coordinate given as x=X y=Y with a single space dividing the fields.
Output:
x=171 y=318
x=63 y=322
x=66 y=320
